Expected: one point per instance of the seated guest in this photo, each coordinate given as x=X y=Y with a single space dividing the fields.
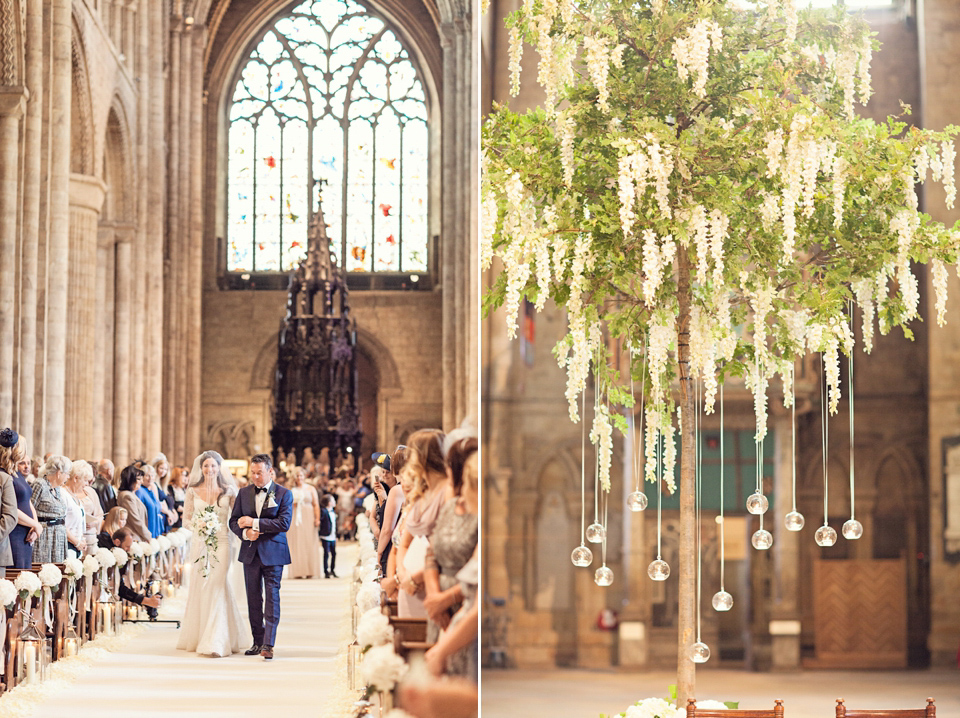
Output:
x=123 y=538
x=103 y=485
x=127 y=498
x=116 y=519
x=51 y=546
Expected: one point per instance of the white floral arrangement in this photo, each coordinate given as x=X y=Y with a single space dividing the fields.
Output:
x=105 y=557
x=382 y=668
x=136 y=551
x=90 y=565
x=368 y=596
x=72 y=568
x=8 y=593
x=165 y=543
x=362 y=522
x=28 y=584
x=50 y=575
x=369 y=573
x=370 y=502
x=661 y=708
x=374 y=629
x=120 y=555
x=206 y=525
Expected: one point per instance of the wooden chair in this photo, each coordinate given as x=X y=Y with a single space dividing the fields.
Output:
x=929 y=712
x=694 y=712
x=410 y=629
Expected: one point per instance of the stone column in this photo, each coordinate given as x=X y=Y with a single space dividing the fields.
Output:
x=33 y=133
x=12 y=103
x=121 y=355
x=171 y=260
x=450 y=171
x=195 y=255
x=152 y=20
x=58 y=246
x=86 y=199
x=183 y=237
x=103 y=340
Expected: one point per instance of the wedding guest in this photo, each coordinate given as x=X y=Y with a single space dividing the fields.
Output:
x=425 y=462
x=303 y=536
x=103 y=485
x=51 y=546
x=94 y=511
x=177 y=491
x=116 y=518
x=160 y=484
x=452 y=583
x=127 y=498
x=13 y=459
x=73 y=497
x=328 y=535
x=390 y=511
x=8 y=502
x=124 y=538
x=391 y=582
x=146 y=495
x=345 y=493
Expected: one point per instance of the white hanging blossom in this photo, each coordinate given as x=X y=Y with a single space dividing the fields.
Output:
x=719 y=228
x=846 y=69
x=703 y=355
x=864 y=291
x=773 y=152
x=949 y=157
x=577 y=360
x=790 y=19
x=662 y=337
x=516 y=52
x=657 y=256
x=651 y=430
x=670 y=454
x=692 y=53
x=602 y=437
x=840 y=169
x=598 y=64
x=567 y=128
x=546 y=75
x=940 y=289
x=863 y=70
x=769 y=209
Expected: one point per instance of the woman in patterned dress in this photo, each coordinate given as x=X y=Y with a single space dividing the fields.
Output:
x=51 y=546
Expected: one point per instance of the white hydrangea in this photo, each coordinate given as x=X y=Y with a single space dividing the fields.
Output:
x=72 y=567
x=368 y=596
x=165 y=543
x=90 y=565
x=654 y=708
x=381 y=668
x=374 y=629
x=50 y=575
x=154 y=546
x=119 y=555
x=105 y=557
x=8 y=593
x=29 y=583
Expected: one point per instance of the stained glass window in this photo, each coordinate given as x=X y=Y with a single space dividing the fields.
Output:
x=329 y=93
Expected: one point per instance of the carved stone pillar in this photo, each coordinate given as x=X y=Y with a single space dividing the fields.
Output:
x=183 y=238
x=195 y=255
x=171 y=260
x=123 y=309
x=58 y=244
x=86 y=199
x=12 y=104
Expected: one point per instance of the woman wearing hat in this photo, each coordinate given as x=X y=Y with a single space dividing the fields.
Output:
x=13 y=451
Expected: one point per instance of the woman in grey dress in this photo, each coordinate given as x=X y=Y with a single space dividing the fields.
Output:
x=51 y=546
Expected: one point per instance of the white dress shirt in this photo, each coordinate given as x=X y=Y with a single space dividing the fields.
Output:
x=261 y=499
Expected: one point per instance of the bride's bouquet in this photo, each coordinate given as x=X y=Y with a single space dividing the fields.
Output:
x=206 y=525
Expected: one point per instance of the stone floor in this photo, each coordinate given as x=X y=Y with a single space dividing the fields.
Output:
x=572 y=693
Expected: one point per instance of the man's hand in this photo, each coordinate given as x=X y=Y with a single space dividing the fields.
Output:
x=251 y=535
x=152 y=601
x=245 y=522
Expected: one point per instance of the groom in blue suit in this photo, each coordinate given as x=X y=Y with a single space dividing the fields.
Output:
x=261 y=517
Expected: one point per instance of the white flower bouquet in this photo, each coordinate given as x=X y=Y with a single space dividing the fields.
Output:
x=120 y=555
x=664 y=708
x=8 y=593
x=206 y=525
x=154 y=547
x=136 y=551
x=105 y=557
x=370 y=502
x=165 y=543
x=28 y=584
x=72 y=567
x=90 y=565
x=374 y=629
x=362 y=522
x=50 y=575
x=382 y=669
x=368 y=596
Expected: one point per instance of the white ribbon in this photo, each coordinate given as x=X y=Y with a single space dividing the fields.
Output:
x=47 y=603
x=72 y=598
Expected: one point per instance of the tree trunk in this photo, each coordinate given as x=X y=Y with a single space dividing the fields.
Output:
x=686 y=669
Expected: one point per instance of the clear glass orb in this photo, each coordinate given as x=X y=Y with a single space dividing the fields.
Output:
x=603 y=576
x=699 y=652
x=658 y=570
x=596 y=533
x=793 y=521
x=826 y=536
x=762 y=539
x=757 y=504
x=636 y=501
x=722 y=601
x=581 y=556
x=852 y=529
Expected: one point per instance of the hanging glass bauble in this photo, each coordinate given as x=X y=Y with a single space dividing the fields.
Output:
x=826 y=536
x=722 y=601
x=762 y=539
x=852 y=530
x=596 y=533
x=581 y=556
x=659 y=570
x=603 y=576
x=699 y=652
x=757 y=504
x=636 y=501
x=793 y=521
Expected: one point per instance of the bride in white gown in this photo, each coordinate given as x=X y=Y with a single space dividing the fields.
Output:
x=212 y=623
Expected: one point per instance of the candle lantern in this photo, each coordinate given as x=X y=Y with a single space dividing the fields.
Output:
x=30 y=650
x=71 y=642
x=107 y=607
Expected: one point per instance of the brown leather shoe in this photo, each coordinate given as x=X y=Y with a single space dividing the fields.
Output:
x=267 y=652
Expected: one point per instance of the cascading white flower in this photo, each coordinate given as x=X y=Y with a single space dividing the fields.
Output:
x=692 y=53
x=597 y=56
x=948 y=158
x=863 y=289
x=940 y=289
x=846 y=69
x=567 y=129
x=838 y=188
x=863 y=69
x=516 y=53
x=602 y=437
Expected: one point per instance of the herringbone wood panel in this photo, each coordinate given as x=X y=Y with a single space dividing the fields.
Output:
x=860 y=613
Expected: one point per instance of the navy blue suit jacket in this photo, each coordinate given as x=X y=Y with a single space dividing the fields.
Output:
x=271 y=548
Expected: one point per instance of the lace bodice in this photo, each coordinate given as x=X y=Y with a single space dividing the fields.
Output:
x=193 y=502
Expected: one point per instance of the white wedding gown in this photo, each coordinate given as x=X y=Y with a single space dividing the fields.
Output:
x=212 y=623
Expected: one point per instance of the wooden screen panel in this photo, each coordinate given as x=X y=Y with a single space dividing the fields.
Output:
x=860 y=614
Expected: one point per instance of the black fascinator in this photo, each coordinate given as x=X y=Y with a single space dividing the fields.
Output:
x=8 y=438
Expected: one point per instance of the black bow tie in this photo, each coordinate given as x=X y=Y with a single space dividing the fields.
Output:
x=258 y=489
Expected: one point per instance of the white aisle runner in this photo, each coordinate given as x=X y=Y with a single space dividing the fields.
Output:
x=150 y=677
